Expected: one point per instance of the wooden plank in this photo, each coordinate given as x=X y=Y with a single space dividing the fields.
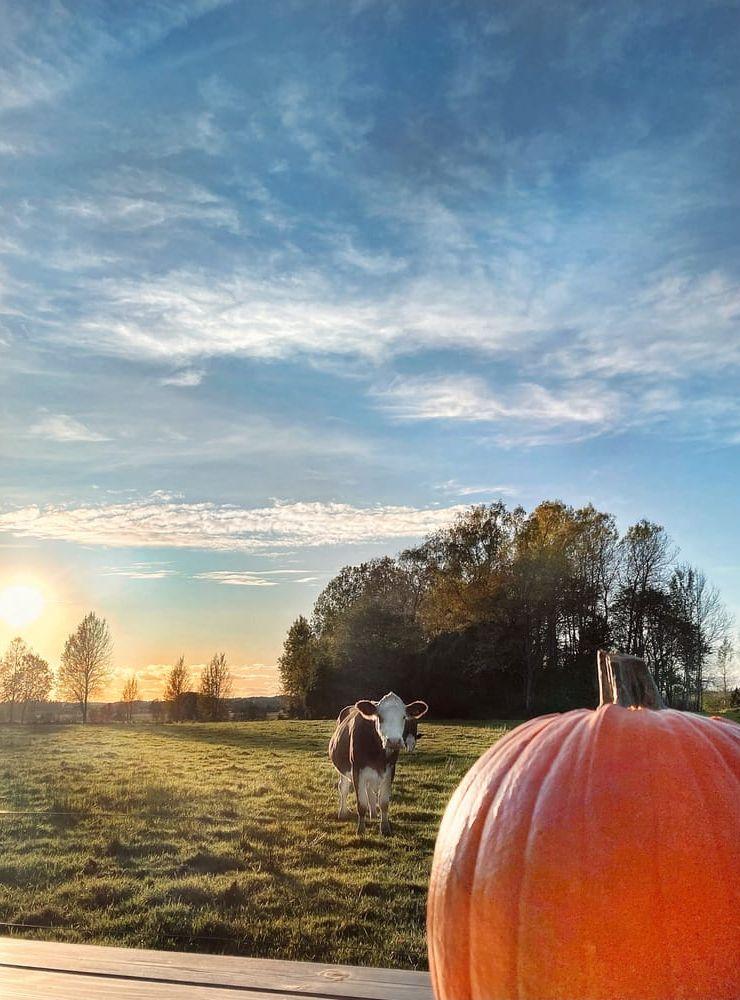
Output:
x=308 y=979
x=34 y=984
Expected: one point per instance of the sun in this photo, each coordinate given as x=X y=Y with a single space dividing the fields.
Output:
x=21 y=605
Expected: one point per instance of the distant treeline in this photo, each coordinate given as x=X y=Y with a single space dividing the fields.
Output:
x=502 y=613
x=252 y=709
x=27 y=680
x=190 y=707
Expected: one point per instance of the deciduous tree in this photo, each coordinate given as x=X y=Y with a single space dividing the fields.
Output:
x=215 y=686
x=11 y=675
x=299 y=662
x=502 y=613
x=25 y=679
x=725 y=662
x=85 y=666
x=175 y=688
x=129 y=696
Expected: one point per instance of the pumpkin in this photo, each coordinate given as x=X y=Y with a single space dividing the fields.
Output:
x=593 y=854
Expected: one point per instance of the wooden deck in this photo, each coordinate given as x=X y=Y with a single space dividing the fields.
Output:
x=44 y=970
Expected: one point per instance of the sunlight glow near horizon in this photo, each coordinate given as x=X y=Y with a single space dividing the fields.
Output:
x=21 y=605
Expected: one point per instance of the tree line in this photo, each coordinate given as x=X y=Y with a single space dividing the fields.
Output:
x=27 y=681
x=182 y=704
x=501 y=614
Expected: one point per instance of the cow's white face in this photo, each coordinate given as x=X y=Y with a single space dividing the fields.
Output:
x=389 y=715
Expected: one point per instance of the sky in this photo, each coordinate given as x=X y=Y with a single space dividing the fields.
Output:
x=285 y=286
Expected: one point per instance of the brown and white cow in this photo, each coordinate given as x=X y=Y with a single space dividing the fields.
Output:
x=364 y=749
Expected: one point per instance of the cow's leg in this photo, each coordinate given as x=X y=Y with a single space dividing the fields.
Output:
x=384 y=799
x=366 y=790
x=344 y=784
x=372 y=785
x=372 y=800
x=358 y=780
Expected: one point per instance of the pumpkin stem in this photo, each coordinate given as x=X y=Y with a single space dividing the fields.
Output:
x=626 y=680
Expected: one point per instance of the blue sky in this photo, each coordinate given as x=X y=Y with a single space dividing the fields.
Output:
x=283 y=286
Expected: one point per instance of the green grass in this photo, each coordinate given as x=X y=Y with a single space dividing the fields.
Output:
x=733 y=714
x=219 y=838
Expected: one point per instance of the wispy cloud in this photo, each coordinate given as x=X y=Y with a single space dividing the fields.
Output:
x=255 y=578
x=65 y=429
x=136 y=200
x=168 y=426
x=189 y=315
x=350 y=255
x=583 y=359
x=186 y=378
x=451 y=232
x=452 y=488
x=164 y=523
x=49 y=49
x=676 y=325
x=236 y=579
x=141 y=571
x=525 y=412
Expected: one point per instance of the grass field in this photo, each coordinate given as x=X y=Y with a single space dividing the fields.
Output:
x=219 y=838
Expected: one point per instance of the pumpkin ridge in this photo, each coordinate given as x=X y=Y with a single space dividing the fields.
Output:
x=573 y=733
x=593 y=726
x=721 y=737
x=701 y=786
x=494 y=755
x=468 y=786
x=683 y=752
x=657 y=884
x=509 y=781
x=447 y=855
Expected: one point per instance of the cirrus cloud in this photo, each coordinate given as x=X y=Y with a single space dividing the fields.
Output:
x=64 y=428
x=255 y=578
x=527 y=413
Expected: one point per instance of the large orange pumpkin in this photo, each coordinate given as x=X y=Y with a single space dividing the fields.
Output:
x=594 y=854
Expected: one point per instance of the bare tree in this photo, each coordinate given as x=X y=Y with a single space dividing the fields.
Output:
x=215 y=686
x=725 y=661
x=11 y=675
x=646 y=554
x=703 y=622
x=175 y=688
x=85 y=666
x=129 y=695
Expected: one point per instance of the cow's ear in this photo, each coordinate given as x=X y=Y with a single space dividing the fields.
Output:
x=368 y=709
x=416 y=709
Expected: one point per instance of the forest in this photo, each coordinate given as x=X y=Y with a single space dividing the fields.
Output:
x=501 y=614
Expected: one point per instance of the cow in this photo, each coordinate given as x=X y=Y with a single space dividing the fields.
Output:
x=364 y=750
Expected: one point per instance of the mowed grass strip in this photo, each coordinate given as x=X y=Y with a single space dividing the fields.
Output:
x=219 y=837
